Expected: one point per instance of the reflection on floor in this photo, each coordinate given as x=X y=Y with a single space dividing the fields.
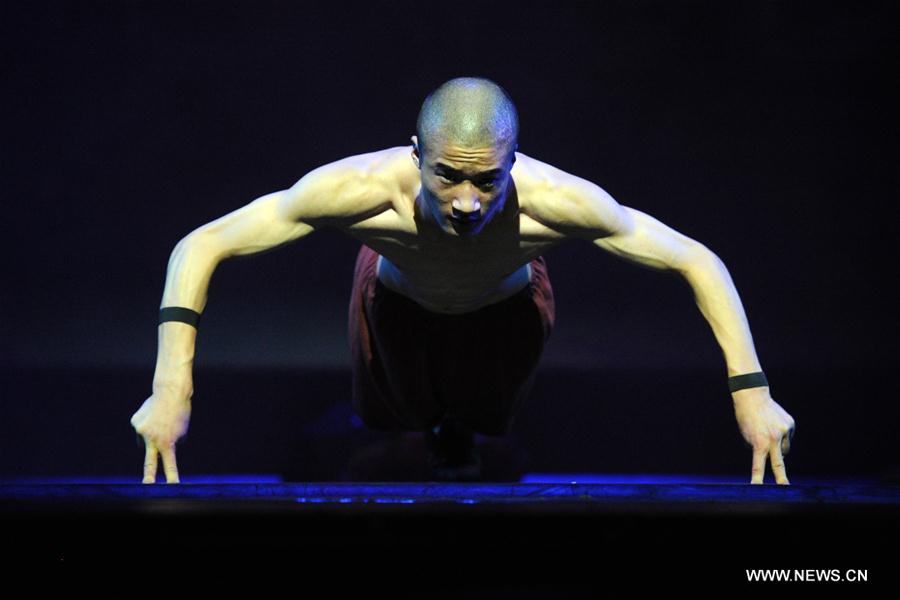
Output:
x=559 y=478
x=611 y=492
x=565 y=534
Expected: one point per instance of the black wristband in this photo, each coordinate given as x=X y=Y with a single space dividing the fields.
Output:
x=179 y=313
x=750 y=380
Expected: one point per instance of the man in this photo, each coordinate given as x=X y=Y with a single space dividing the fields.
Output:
x=451 y=302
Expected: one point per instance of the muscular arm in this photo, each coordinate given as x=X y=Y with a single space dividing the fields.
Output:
x=340 y=192
x=337 y=193
x=648 y=242
x=582 y=209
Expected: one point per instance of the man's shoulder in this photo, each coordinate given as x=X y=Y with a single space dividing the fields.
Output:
x=535 y=182
x=562 y=201
x=535 y=173
x=392 y=166
x=379 y=161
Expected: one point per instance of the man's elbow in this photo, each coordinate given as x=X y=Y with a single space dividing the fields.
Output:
x=197 y=243
x=697 y=255
x=622 y=222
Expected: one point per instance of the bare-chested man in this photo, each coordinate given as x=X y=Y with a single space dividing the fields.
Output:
x=451 y=302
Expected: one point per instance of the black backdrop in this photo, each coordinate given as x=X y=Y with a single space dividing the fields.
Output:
x=765 y=130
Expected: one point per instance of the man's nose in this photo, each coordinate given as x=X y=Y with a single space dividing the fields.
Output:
x=466 y=204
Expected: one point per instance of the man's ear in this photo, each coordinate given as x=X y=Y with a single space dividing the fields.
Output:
x=415 y=151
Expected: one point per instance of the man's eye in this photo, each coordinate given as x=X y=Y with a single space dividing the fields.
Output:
x=445 y=179
x=487 y=184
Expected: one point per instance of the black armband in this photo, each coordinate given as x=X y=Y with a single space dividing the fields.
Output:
x=750 y=380
x=179 y=313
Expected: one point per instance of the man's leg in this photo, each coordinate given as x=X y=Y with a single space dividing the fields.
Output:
x=388 y=335
x=412 y=367
x=486 y=363
x=491 y=355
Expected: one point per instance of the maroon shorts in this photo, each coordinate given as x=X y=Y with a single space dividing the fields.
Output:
x=412 y=367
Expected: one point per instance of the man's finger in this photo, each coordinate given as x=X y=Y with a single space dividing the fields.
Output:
x=757 y=473
x=149 y=462
x=169 y=464
x=778 y=465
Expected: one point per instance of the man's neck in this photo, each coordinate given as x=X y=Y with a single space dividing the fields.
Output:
x=428 y=223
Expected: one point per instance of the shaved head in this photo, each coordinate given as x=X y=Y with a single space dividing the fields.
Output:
x=473 y=112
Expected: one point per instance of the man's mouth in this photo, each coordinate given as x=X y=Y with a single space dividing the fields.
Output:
x=464 y=226
x=465 y=219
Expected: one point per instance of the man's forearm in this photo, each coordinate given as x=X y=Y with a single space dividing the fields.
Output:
x=720 y=304
x=188 y=274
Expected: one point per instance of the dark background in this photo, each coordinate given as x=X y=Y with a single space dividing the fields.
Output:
x=765 y=130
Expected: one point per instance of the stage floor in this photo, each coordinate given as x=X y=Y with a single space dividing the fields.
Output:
x=564 y=537
x=604 y=497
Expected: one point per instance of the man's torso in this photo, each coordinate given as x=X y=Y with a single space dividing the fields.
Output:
x=442 y=272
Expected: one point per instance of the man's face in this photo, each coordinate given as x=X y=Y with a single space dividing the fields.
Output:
x=463 y=188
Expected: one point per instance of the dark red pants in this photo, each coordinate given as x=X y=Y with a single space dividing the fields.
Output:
x=412 y=367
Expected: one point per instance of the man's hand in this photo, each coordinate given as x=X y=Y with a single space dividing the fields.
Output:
x=767 y=428
x=161 y=421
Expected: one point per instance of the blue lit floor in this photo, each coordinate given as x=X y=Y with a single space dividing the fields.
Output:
x=530 y=478
x=632 y=492
x=599 y=529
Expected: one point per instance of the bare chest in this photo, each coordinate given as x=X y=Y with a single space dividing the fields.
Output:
x=448 y=274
